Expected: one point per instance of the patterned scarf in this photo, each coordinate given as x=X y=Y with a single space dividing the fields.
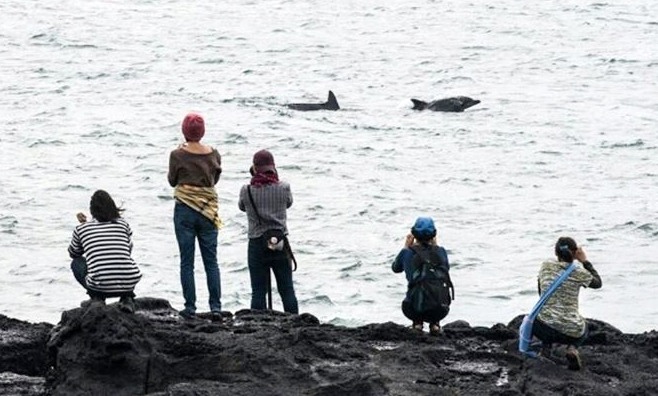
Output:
x=202 y=199
x=262 y=179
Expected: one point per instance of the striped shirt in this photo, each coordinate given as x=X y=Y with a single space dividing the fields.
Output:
x=272 y=202
x=106 y=247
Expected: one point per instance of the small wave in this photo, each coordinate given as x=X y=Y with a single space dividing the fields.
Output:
x=8 y=224
x=235 y=138
x=46 y=142
x=321 y=299
x=79 y=46
x=86 y=76
x=649 y=228
x=615 y=60
x=211 y=62
x=70 y=187
x=637 y=143
x=352 y=267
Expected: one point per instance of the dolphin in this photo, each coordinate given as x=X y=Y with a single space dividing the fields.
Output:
x=455 y=104
x=330 y=104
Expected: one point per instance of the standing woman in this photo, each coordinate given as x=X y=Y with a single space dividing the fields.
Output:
x=194 y=169
x=559 y=320
x=101 y=250
x=266 y=200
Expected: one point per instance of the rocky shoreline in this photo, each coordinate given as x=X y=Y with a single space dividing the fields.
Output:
x=102 y=351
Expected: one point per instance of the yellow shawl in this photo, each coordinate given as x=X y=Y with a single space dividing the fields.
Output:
x=202 y=199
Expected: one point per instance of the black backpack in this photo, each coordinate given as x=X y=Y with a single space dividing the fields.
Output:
x=430 y=287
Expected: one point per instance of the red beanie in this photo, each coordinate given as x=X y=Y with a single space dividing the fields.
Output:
x=193 y=127
x=264 y=161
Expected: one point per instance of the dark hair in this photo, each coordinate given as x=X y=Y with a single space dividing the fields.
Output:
x=565 y=249
x=103 y=208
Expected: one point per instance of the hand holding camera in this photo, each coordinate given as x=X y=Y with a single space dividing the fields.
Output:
x=580 y=255
x=409 y=241
x=81 y=217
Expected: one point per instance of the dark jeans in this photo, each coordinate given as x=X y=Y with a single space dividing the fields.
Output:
x=261 y=259
x=431 y=317
x=549 y=335
x=79 y=268
x=191 y=225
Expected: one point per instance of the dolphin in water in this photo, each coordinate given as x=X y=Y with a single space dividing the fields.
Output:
x=330 y=104
x=454 y=104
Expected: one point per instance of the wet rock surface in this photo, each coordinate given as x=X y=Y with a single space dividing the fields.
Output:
x=102 y=351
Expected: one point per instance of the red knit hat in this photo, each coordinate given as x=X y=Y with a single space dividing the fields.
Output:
x=264 y=161
x=193 y=127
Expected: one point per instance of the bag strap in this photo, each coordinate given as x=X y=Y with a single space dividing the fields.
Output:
x=525 y=330
x=286 y=243
x=551 y=290
x=251 y=198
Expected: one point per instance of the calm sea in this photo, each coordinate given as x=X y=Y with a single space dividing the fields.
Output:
x=564 y=143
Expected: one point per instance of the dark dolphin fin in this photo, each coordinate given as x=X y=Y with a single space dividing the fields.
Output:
x=332 y=103
x=419 y=104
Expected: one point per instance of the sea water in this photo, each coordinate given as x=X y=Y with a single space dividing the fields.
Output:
x=92 y=94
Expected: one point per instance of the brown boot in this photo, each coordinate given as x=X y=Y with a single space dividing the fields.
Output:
x=435 y=329
x=573 y=358
x=417 y=326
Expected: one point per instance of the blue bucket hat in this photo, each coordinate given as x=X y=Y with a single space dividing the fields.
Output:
x=424 y=228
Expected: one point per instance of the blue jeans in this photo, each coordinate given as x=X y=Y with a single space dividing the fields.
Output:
x=191 y=225
x=260 y=260
x=549 y=335
x=79 y=268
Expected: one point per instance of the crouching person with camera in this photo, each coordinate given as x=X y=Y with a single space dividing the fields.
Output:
x=101 y=252
x=426 y=267
x=266 y=200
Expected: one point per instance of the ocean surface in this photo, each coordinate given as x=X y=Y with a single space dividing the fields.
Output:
x=92 y=94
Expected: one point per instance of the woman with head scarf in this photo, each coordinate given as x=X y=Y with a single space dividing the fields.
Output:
x=266 y=200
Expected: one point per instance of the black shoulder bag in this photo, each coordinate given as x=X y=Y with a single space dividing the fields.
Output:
x=275 y=239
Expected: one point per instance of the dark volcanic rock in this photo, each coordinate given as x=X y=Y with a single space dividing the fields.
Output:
x=23 y=357
x=103 y=351
x=22 y=347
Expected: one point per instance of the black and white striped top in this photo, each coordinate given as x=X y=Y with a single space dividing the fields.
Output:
x=107 y=247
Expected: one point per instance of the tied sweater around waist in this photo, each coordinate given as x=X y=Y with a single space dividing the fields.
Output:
x=202 y=199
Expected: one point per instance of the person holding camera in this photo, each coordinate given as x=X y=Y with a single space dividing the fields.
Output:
x=194 y=170
x=426 y=267
x=101 y=252
x=559 y=320
x=266 y=200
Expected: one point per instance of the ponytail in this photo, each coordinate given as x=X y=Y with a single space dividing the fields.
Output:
x=565 y=249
